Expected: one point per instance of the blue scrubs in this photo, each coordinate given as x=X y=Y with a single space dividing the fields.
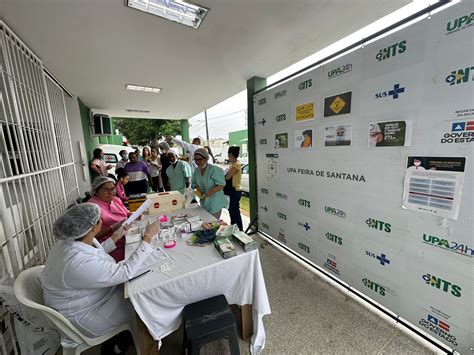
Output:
x=213 y=175
x=177 y=175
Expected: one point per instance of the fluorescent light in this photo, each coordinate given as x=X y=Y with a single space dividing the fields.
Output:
x=134 y=87
x=174 y=10
x=137 y=110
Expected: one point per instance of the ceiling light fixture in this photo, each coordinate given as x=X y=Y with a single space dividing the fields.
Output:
x=137 y=110
x=134 y=87
x=173 y=10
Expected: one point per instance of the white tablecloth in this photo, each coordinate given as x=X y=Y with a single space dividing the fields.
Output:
x=199 y=273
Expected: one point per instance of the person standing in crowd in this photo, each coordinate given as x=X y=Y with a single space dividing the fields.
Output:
x=210 y=153
x=165 y=163
x=209 y=180
x=98 y=166
x=122 y=180
x=137 y=154
x=233 y=178
x=146 y=154
x=190 y=149
x=82 y=282
x=112 y=211
x=121 y=163
x=138 y=174
x=179 y=172
x=154 y=166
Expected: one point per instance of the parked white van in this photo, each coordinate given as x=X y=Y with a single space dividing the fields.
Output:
x=111 y=154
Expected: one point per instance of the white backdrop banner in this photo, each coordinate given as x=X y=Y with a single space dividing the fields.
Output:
x=337 y=180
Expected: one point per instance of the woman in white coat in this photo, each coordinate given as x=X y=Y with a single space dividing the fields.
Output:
x=80 y=280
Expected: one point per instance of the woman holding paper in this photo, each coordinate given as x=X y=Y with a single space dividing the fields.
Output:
x=113 y=213
x=81 y=281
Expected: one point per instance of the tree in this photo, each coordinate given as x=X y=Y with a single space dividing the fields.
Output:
x=143 y=131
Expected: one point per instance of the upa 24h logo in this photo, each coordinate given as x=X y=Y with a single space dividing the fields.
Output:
x=263 y=141
x=438 y=327
x=379 y=225
x=394 y=93
x=335 y=211
x=392 y=51
x=455 y=247
x=305 y=84
x=459 y=24
x=346 y=68
x=442 y=285
x=279 y=94
x=374 y=286
x=281 y=195
x=460 y=76
x=334 y=238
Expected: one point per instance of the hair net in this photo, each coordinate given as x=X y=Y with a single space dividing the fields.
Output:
x=202 y=152
x=99 y=181
x=164 y=145
x=76 y=222
x=173 y=151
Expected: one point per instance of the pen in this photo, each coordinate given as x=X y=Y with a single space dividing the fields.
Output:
x=143 y=273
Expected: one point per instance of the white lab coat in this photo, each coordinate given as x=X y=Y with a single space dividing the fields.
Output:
x=81 y=281
x=190 y=148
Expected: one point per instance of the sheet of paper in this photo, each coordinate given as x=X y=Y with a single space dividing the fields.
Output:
x=156 y=257
x=145 y=205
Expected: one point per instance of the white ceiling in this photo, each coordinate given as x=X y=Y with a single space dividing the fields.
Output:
x=95 y=47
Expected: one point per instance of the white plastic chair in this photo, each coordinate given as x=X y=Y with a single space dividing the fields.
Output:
x=29 y=292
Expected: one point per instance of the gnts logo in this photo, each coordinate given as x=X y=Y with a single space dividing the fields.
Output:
x=392 y=50
x=443 y=285
x=304 y=203
x=374 y=286
x=304 y=247
x=264 y=191
x=262 y=101
x=305 y=84
x=281 y=117
x=334 y=238
x=380 y=225
x=281 y=215
x=460 y=23
x=460 y=76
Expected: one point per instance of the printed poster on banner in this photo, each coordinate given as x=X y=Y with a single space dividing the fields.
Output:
x=272 y=167
x=434 y=185
x=390 y=134
x=338 y=135
x=281 y=140
x=305 y=112
x=304 y=138
x=338 y=104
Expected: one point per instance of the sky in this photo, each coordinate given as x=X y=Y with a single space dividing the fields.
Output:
x=230 y=114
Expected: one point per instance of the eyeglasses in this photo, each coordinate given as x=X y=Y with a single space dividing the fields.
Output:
x=198 y=159
x=110 y=191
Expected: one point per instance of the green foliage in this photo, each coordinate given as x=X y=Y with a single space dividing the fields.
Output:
x=143 y=131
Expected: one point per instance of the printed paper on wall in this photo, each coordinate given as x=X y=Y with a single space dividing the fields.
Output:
x=304 y=138
x=389 y=134
x=338 y=135
x=434 y=185
x=305 y=112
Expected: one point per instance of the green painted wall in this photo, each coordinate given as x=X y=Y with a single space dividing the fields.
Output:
x=185 y=130
x=236 y=137
x=90 y=143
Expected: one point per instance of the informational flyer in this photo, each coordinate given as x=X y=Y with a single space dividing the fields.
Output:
x=281 y=140
x=272 y=167
x=338 y=135
x=389 y=134
x=305 y=112
x=434 y=185
x=338 y=104
x=304 y=138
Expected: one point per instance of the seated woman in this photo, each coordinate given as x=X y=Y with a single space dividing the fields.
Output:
x=80 y=279
x=122 y=180
x=113 y=212
x=209 y=180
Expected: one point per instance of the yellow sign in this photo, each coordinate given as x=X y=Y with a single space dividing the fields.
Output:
x=305 y=112
x=337 y=105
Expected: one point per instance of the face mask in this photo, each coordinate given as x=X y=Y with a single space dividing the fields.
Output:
x=124 y=156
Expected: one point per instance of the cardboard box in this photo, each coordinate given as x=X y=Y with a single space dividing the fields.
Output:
x=165 y=202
